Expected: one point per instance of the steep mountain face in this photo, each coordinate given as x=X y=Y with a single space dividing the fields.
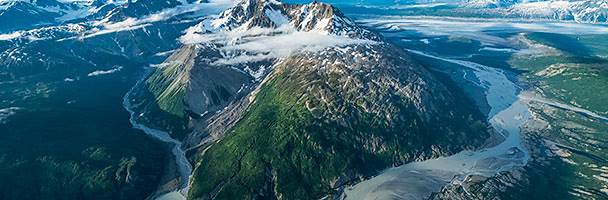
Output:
x=319 y=124
x=297 y=101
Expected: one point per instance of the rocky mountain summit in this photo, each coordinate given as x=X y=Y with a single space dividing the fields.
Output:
x=317 y=17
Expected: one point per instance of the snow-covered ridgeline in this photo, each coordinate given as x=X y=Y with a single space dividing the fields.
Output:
x=593 y=11
x=582 y=11
x=418 y=180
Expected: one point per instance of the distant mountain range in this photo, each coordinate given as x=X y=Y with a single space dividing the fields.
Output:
x=586 y=11
x=582 y=11
x=22 y=14
x=27 y=14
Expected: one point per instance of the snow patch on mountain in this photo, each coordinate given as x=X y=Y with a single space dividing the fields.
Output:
x=277 y=17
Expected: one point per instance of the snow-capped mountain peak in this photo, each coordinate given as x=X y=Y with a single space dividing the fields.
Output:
x=313 y=17
x=257 y=30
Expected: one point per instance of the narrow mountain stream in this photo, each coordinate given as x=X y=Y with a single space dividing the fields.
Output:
x=184 y=167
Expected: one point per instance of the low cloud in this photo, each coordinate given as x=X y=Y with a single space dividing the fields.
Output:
x=103 y=72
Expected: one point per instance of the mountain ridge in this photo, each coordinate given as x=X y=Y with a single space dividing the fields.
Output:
x=581 y=11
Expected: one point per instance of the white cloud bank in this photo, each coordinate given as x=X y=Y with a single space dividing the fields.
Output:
x=256 y=44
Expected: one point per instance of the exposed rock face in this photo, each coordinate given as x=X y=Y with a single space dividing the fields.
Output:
x=318 y=17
